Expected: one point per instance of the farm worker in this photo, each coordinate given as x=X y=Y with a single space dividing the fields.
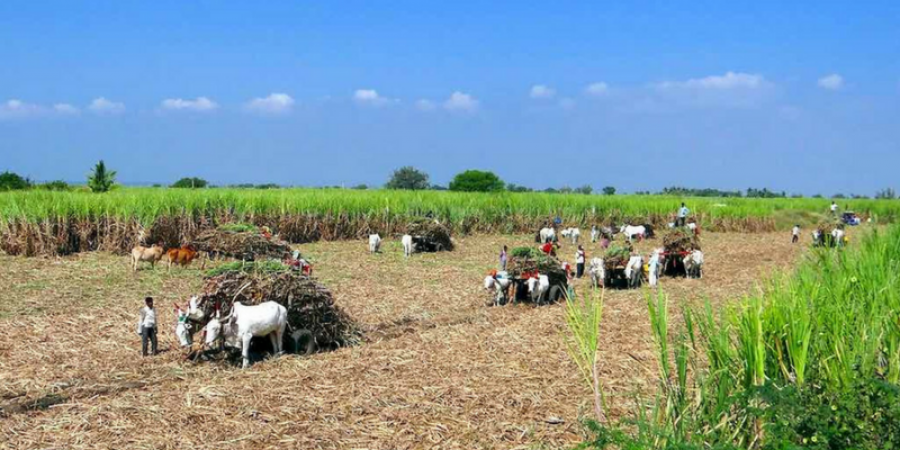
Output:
x=147 y=326
x=503 y=259
x=547 y=248
x=795 y=234
x=567 y=268
x=682 y=215
x=604 y=241
x=654 y=269
x=579 y=262
x=833 y=208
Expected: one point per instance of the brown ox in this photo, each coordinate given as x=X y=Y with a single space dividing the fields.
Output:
x=182 y=256
x=150 y=254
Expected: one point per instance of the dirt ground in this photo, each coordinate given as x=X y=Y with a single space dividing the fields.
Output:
x=440 y=369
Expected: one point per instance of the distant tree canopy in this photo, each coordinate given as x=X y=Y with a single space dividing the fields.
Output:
x=609 y=190
x=476 y=181
x=764 y=193
x=57 y=185
x=190 y=183
x=408 y=177
x=678 y=191
x=360 y=187
x=586 y=189
x=512 y=187
x=101 y=179
x=886 y=194
x=10 y=181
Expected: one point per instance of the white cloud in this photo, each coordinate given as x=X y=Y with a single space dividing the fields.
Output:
x=103 y=106
x=200 y=104
x=831 y=82
x=66 y=109
x=275 y=103
x=542 y=91
x=731 y=80
x=462 y=102
x=597 y=89
x=425 y=105
x=16 y=108
x=371 y=97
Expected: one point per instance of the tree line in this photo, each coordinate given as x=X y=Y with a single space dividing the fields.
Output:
x=102 y=179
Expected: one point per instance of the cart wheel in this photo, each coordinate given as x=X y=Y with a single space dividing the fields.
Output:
x=556 y=293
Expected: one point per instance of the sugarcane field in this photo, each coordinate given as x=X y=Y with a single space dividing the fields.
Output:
x=463 y=225
x=384 y=346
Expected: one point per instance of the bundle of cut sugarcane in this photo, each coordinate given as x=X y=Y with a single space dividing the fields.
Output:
x=310 y=305
x=249 y=244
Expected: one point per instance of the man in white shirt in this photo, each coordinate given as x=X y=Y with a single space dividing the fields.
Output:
x=579 y=262
x=147 y=326
x=833 y=208
x=682 y=215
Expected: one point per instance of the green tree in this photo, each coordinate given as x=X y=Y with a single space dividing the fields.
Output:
x=477 y=181
x=408 y=177
x=360 y=187
x=191 y=183
x=101 y=179
x=886 y=194
x=512 y=187
x=586 y=190
x=10 y=181
x=609 y=190
x=58 y=185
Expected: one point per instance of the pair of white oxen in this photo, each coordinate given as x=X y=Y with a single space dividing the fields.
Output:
x=240 y=326
x=693 y=266
x=631 y=232
x=538 y=288
x=409 y=246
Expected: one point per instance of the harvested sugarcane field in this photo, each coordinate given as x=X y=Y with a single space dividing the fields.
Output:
x=436 y=367
x=458 y=225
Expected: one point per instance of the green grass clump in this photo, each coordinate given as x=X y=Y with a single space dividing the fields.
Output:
x=810 y=361
x=525 y=252
x=239 y=228
x=618 y=251
x=262 y=267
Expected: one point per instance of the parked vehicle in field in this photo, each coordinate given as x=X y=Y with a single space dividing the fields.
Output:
x=850 y=218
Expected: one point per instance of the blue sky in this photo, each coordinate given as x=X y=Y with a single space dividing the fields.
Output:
x=802 y=97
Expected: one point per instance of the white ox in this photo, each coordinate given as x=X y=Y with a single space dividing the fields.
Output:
x=374 y=243
x=655 y=263
x=537 y=287
x=547 y=235
x=633 y=270
x=630 y=231
x=500 y=285
x=244 y=322
x=183 y=329
x=693 y=264
x=598 y=273
x=408 y=246
x=571 y=233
